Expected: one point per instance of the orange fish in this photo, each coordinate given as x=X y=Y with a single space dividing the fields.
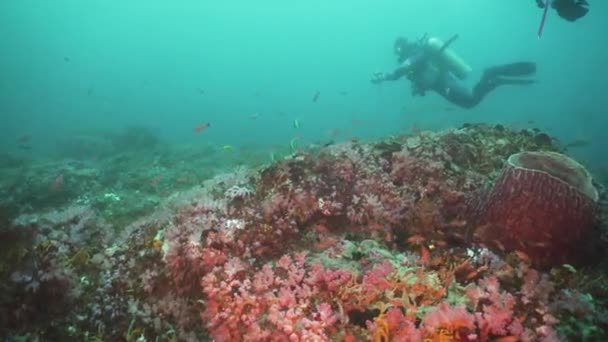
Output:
x=523 y=256
x=441 y=243
x=499 y=245
x=326 y=243
x=476 y=272
x=506 y=339
x=334 y=132
x=201 y=127
x=425 y=255
x=416 y=239
x=156 y=180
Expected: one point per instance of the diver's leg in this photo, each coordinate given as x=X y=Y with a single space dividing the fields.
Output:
x=457 y=93
x=499 y=75
x=485 y=85
x=511 y=70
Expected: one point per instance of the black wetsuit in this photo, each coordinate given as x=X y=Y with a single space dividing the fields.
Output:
x=570 y=10
x=450 y=87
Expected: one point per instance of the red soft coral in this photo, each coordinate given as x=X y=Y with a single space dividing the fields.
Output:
x=376 y=279
x=456 y=320
x=281 y=302
x=495 y=315
x=400 y=328
x=329 y=280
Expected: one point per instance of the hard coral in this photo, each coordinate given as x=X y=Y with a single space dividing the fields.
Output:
x=543 y=204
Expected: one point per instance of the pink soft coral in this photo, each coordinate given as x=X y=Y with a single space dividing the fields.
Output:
x=494 y=314
x=454 y=319
x=327 y=279
x=281 y=303
x=402 y=329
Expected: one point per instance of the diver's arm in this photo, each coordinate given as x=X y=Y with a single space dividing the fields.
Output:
x=401 y=71
x=405 y=68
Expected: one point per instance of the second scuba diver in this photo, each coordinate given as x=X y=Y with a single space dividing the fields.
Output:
x=570 y=10
x=430 y=65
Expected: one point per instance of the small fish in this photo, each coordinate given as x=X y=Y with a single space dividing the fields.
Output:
x=425 y=255
x=577 y=143
x=334 y=132
x=416 y=239
x=201 y=127
x=157 y=244
x=414 y=129
x=227 y=147
x=25 y=138
x=523 y=256
x=343 y=92
x=326 y=243
x=57 y=183
x=499 y=245
x=23 y=142
x=316 y=96
x=441 y=243
x=569 y=267
x=296 y=123
x=293 y=144
x=154 y=182
x=507 y=339
x=254 y=116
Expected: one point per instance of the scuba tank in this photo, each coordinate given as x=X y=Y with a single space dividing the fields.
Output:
x=447 y=58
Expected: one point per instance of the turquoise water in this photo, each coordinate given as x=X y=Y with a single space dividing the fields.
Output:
x=156 y=156
x=73 y=66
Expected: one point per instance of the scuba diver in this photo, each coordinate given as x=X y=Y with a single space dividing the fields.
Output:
x=570 y=10
x=430 y=65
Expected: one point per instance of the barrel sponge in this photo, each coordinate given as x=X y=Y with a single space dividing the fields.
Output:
x=543 y=204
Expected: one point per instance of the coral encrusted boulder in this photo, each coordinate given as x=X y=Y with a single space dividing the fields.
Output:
x=542 y=204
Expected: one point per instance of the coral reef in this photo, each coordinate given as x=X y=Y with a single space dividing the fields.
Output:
x=352 y=242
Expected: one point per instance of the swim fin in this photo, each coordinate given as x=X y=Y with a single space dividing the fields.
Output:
x=503 y=81
x=513 y=69
x=490 y=81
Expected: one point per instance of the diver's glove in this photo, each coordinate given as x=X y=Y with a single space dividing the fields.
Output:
x=417 y=90
x=378 y=77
